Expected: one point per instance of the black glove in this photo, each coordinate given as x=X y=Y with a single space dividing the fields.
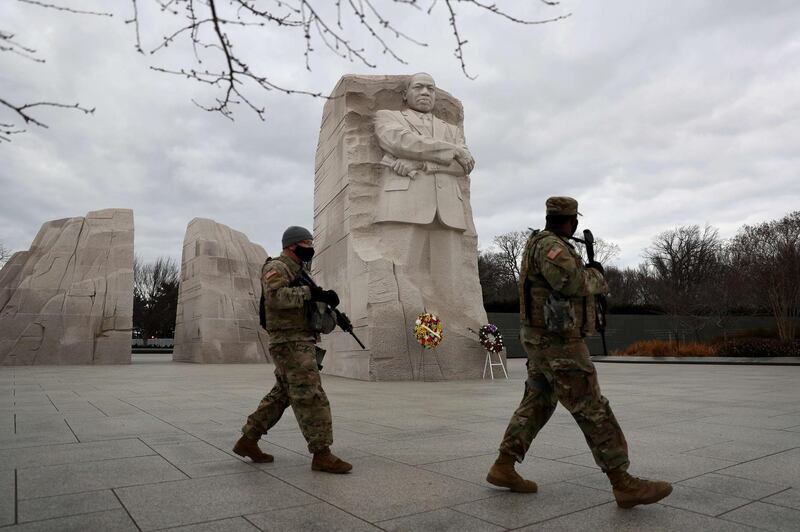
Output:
x=331 y=298
x=325 y=296
x=317 y=293
x=596 y=266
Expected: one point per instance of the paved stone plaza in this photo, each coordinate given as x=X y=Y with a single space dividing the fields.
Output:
x=147 y=447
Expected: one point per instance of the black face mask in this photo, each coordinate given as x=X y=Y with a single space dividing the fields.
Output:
x=304 y=254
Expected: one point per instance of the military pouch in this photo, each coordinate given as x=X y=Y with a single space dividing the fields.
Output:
x=320 y=354
x=262 y=313
x=321 y=318
x=559 y=315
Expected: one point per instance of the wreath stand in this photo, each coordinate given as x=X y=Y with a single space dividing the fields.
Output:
x=491 y=365
x=427 y=362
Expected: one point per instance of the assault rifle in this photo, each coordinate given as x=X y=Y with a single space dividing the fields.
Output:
x=342 y=320
x=600 y=299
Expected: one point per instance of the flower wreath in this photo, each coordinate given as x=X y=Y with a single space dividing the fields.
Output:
x=428 y=330
x=490 y=337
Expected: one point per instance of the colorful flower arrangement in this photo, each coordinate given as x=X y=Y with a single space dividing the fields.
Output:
x=490 y=338
x=428 y=330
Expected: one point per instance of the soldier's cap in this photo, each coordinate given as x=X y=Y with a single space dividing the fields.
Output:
x=562 y=206
x=295 y=234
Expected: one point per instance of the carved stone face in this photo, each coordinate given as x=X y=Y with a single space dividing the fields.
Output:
x=421 y=93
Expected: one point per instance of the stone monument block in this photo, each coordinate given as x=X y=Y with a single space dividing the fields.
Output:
x=69 y=298
x=393 y=229
x=217 y=319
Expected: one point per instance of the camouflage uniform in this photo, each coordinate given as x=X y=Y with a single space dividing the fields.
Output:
x=293 y=349
x=559 y=367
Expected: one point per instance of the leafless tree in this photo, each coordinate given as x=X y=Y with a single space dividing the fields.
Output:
x=510 y=246
x=498 y=283
x=767 y=258
x=216 y=31
x=5 y=254
x=604 y=251
x=155 y=297
x=631 y=289
x=11 y=43
x=684 y=262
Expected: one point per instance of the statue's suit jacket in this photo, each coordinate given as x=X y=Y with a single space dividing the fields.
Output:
x=435 y=189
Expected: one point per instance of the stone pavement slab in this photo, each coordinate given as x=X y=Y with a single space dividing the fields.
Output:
x=734 y=486
x=444 y=520
x=780 y=468
x=72 y=453
x=8 y=489
x=317 y=517
x=381 y=489
x=544 y=471
x=88 y=476
x=703 y=501
x=766 y=517
x=659 y=464
x=512 y=510
x=67 y=505
x=789 y=498
x=197 y=500
x=610 y=518
x=148 y=447
x=116 y=520
x=234 y=524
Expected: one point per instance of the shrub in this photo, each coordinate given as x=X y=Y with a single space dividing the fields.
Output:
x=661 y=348
x=758 y=347
x=748 y=334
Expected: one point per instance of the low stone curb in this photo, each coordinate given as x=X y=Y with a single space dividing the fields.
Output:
x=729 y=361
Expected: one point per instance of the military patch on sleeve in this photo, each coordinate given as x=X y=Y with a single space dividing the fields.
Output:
x=553 y=253
x=274 y=278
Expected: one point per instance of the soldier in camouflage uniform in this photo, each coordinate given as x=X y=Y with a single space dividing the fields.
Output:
x=557 y=310
x=292 y=344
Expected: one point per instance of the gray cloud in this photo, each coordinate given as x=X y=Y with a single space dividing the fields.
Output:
x=652 y=115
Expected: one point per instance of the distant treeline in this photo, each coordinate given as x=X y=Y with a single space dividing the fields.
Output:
x=688 y=271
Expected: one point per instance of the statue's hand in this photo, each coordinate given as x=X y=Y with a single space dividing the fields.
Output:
x=406 y=167
x=466 y=161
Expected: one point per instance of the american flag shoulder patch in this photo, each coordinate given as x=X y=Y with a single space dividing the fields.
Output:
x=553 y=253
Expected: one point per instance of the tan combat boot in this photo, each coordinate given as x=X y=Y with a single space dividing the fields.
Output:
x=249 y=448
x=502 y=474
x=328 y=462
x=630 y=491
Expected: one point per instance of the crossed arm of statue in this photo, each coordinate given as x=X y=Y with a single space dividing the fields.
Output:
x=409 y=153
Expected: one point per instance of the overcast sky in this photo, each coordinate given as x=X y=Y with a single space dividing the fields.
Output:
x=652 y=114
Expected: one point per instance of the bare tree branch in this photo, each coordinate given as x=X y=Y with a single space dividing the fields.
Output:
x=48 y=5
x=767 y=256
x=511 y=246
x=5 y=253
x=213 y=28
x=22 y=112
x=8 y=44
x=233 y=74
x=604 y=251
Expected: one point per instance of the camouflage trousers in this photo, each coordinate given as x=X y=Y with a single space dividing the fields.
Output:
x=560 y=370
x=297 y=384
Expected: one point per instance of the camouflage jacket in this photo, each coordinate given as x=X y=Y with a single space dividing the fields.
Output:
x=285 y=302
x=550 y=265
